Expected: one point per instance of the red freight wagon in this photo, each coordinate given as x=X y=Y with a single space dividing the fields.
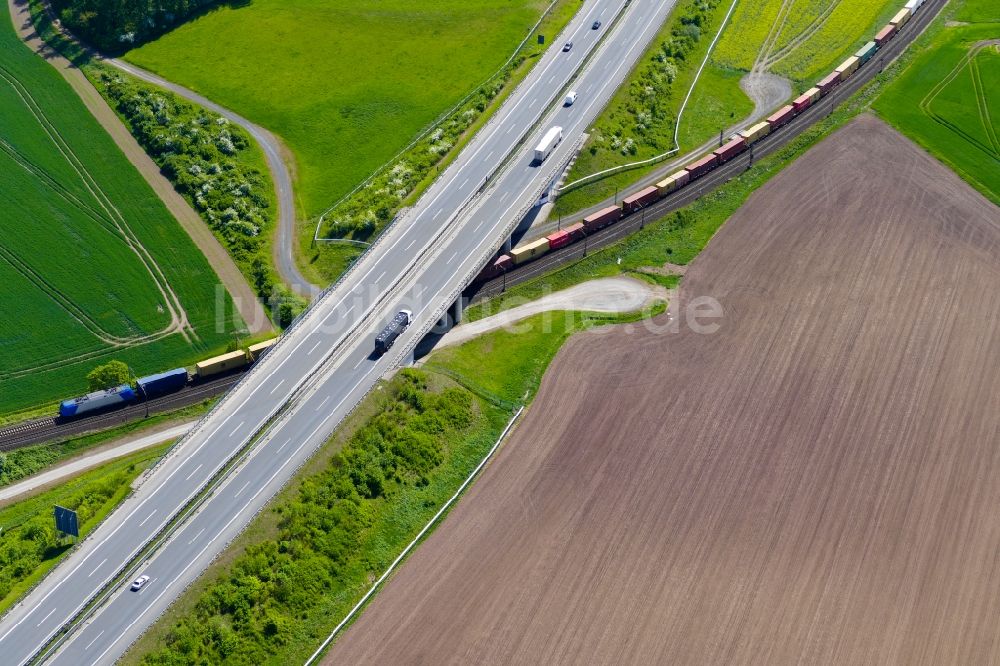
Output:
x=575 y=231
x=702 y=166
x=495 y=268
x=828 y=82
x=781 y=116
x=602 y=218
x=558 y=239
x=885 y=34
x=801 y=102
x=640 y=199
x=731 y=149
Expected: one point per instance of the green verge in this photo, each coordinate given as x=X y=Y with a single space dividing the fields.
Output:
x=62 y=179
x=365 y=214
x=680 y=236
x=948 y=100
x=29 y=545
x=26 y=461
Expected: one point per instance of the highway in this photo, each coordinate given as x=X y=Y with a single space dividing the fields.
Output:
x=323 y=366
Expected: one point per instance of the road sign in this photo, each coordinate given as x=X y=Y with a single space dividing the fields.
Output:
x=66 y=521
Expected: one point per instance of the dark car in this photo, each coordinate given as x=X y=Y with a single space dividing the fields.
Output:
x=597 y=24
x=568 y=46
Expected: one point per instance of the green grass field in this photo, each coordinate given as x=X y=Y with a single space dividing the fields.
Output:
x=92 y=266
x=948 y=100
x=345 y=85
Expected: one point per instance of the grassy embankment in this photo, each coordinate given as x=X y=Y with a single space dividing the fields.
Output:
x=29 y=546
x=717 y=101
x=948 y=101
x=341 y=115
x=71 y=211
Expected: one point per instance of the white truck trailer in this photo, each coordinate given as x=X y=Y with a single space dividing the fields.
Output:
x=548 y=142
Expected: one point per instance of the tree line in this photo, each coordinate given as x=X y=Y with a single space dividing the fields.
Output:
x=117 y=25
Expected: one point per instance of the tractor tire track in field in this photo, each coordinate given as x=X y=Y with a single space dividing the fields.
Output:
x=179 y=321
x=814 y=26
x=927 y=102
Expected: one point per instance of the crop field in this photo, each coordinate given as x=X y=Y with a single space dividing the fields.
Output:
x=345 y=85
x=813 y=482
x=803 y=39
x=88 y=250
x=948 y=100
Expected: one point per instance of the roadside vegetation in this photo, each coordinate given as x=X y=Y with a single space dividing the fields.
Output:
x=810 y=38
x=116 y=25
x=948 y=100
x=29 y=543
x=88 y=248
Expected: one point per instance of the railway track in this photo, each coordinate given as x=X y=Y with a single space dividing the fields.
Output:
x=718 y=176
x=48 y=429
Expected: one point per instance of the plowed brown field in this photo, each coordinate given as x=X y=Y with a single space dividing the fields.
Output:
x=817 y=482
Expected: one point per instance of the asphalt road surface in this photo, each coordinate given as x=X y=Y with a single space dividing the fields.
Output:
x=324 y=365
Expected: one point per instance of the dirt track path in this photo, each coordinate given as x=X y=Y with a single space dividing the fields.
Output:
x=244 y=298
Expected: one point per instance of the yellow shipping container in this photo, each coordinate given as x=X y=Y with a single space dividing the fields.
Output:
x=672 y=182
x=848 y=66
x=537 y=248
x=900 y=18
x=257 y=350
x=757 y=132
x=220 y=364
x=814 y=94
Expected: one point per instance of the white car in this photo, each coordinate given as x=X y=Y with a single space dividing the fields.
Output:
x=139 y=582
x=570 y=98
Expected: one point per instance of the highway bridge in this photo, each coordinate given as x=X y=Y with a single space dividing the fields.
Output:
x=208 y=488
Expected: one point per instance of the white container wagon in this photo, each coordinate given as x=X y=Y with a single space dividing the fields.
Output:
x=548 y=143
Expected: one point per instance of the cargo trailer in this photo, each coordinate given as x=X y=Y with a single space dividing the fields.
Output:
x=673 y=182
x=548 y=143
x=828 y=82
x=575 y=231
x=914 y=5
x=387 y=336
x=731 y=149
x=162 y=383
x=865 y=53
x=640 y=199
x=781 y=116
x=848 y=67
x=806 y=99
x=98 y=401
x=602 y=218
x=219 y=364
x=258 y=350
x=884 y=35
x=756 y=132
x=558 y=240
x=520 y=255
x=701 y=167
x=901 y=17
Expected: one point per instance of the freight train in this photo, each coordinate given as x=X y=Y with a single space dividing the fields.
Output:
x=737 y=144
x=153 y=386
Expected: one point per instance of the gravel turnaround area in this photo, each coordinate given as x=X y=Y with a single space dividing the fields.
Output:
x=816 y=482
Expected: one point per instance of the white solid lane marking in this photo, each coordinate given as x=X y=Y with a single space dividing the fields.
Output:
x=237 y=428
x=241 y=490
x=322 y=403
x=147 y=518
x=188 y=478
x=314 y=346
x=46 y=617
x=94 y=641
x=195 y=537
x=97 y=567
x=277 y=386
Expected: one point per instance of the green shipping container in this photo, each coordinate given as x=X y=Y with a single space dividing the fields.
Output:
x=866 y=52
